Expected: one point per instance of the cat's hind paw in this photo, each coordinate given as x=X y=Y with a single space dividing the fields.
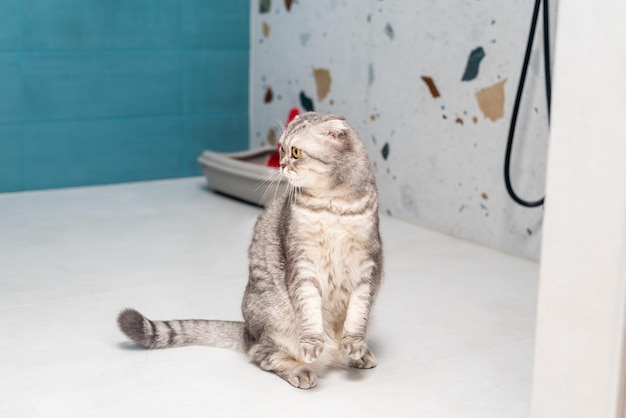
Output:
x=303 y=378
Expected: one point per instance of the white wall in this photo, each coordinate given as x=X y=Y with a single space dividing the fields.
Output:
x=444 y=168
x=579 y=355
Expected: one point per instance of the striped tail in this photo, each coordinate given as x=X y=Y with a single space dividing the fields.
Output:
x=163 y=334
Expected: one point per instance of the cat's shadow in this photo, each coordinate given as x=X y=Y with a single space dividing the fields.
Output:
x=354 y=374
x=130 y=346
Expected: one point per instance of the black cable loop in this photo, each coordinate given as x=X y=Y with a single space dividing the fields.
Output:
x=518 y=96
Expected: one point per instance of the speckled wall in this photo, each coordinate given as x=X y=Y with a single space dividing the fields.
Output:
x=430 y=87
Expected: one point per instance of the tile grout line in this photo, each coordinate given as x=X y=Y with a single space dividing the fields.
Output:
x=120 y=51
x=183 y=112
x=120 y=118
x=23 y=180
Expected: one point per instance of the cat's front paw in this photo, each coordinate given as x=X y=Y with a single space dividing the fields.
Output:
x=311 y=346
x=354 y=346
x=368 y=361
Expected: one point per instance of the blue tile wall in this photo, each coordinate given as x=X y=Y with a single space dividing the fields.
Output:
x=59 y=155
x=95 y=85
x=103 y=24
x=97 y=92
x=10 y=88
x=205 y=23
x=11 y=160
x=9 y=25
x=215 y=129
x=211 y=81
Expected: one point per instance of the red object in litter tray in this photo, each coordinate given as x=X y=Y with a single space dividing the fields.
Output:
x=274 y=160
x=292 y=115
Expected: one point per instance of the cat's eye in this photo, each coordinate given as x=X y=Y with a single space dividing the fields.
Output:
x=282 y=149
x=296 y=152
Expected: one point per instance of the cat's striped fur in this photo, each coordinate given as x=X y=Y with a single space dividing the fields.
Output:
x=315 y=264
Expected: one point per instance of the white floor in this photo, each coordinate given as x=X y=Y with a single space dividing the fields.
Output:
x=453 y=328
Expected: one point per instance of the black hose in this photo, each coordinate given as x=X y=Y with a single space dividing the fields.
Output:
x=518 y=96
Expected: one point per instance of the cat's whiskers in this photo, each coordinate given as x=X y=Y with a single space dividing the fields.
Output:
x=290 y=189
x=274 y=179
x=269 y=176
x=277 y=180
x=280 y=126
x=294 y=190
x=298 y=189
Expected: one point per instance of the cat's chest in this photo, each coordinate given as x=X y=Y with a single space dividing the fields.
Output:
x=337 y=246
x=332 y=233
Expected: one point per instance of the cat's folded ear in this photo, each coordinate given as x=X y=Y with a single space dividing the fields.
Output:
x=335 y=128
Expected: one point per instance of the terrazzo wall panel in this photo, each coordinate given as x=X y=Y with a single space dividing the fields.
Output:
x=430 y=87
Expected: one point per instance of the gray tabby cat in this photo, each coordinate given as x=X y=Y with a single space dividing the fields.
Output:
x=315 y=264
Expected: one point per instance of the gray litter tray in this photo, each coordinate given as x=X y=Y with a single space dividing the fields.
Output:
x=243 y=175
